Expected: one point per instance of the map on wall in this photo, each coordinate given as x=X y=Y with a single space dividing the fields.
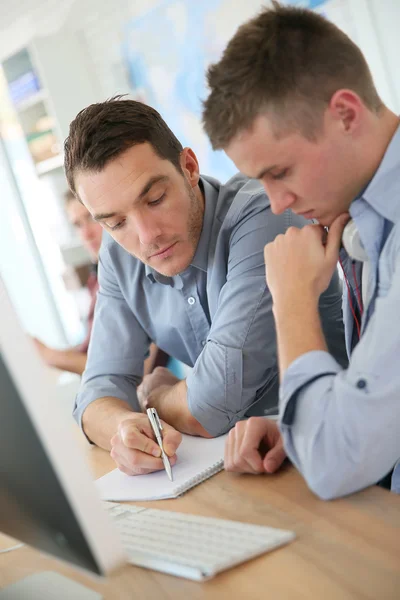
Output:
x=167 y=51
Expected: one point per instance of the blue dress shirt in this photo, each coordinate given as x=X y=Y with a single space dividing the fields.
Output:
x=216 y=316
x=341 y=427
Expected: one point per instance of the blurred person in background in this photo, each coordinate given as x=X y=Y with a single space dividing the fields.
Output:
x=74 y=359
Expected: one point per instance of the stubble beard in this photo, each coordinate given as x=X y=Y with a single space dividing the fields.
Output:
x=194 y=227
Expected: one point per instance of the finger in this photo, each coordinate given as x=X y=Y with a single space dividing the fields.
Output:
x=335 y=236
x=145 y=403
x=139 y=436
x=238 y=463
x=274 y=458
x=249 y=448
x=133 y=472
x=135 y=461
x=145 y=384
x=171 y=439
x=269 y=248
x=318 y=231
x=142 y=394
x=162 y=371
x=146 y=379
x=140 y=397
x=123 y=469
x=229 y=450
x=235 y=461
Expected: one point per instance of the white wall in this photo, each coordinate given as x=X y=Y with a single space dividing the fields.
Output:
x=372 y=23
x=102 y=29
x=385 y=15
x=374 y=31
x=20 y=266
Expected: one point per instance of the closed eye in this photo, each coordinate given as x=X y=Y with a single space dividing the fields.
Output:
x=157 y=201
x=280 y=175
x=118 y=225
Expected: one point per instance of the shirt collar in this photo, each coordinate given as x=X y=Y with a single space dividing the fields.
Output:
x=200 y=259
x=154 y=276
x=383 y=191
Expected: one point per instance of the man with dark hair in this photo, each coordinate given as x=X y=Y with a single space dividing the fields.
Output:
x=293 y=103
x=181 y=264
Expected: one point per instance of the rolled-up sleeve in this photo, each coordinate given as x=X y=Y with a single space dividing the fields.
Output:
x=341 y=427
x=117 y=349
x=237 y=369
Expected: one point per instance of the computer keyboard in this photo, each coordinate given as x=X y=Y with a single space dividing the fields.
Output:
x=190 y=546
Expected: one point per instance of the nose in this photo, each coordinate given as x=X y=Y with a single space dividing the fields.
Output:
x=147 y=229
x=86 y=231
x=280 y=198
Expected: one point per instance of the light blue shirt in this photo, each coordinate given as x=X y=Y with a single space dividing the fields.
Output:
x=216 y=316
x=341 y=427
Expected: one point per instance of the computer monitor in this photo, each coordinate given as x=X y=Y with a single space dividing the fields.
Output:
x=47 y=498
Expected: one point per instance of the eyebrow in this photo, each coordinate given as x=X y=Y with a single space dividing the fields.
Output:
x=145 y=190
x=264 y=172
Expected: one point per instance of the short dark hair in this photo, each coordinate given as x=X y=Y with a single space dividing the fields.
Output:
x=103 y=131
x=287 y=62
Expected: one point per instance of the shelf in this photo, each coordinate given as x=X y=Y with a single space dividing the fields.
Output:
x=50 y=164
x=32 y=100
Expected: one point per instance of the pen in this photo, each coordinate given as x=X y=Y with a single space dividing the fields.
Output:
x=157 y=428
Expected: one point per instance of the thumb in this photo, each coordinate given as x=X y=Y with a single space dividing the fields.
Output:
x=138 y=435
x=274 y=458
x=335 y=236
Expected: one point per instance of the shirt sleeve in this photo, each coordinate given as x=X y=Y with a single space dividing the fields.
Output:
x=117 y=348
x=341 y=426
x=237 y=369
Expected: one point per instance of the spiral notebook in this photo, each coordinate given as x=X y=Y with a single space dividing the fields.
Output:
x=198 y=459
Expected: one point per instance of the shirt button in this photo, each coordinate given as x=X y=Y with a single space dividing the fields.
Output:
x=203 y=343
x=361 y=384
x=191 y=300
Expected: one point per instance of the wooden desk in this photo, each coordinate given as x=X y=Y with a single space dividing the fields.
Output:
x=346 y=549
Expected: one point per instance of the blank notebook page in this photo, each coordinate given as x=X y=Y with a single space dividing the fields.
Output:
x=198 y=459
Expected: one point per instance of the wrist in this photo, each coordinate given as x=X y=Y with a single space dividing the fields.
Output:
x=156 y=396
x=304 y=301
x=124 y=415
x=52 y=357
x=101 y=419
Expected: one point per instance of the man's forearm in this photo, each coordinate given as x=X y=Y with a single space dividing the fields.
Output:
x=172 y=407
x=69 y=360
x=101 y=419
x=298 y=328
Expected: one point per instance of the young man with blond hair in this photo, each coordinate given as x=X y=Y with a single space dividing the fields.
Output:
x=293 y=104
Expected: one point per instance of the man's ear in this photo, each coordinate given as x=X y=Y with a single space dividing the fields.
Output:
x=190 y=166
x=346 y=107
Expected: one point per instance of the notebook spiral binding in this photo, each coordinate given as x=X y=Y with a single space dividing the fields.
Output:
x=193 y=481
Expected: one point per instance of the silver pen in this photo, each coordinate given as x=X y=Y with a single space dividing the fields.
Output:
x=157 y=428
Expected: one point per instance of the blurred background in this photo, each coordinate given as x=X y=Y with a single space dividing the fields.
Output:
x=57 y=57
